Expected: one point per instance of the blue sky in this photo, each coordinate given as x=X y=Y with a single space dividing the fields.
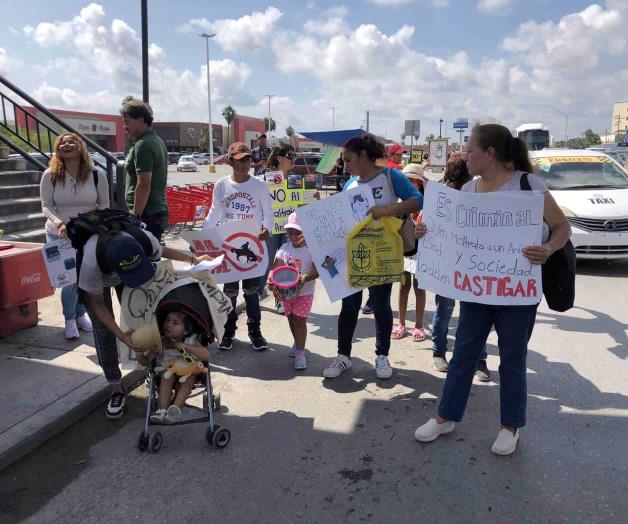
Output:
x=510 y=61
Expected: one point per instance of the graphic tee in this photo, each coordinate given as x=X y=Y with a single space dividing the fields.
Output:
x=240 y=201
x=300 y=259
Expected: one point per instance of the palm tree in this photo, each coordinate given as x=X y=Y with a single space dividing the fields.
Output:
x=273 y=126
x=229 y=115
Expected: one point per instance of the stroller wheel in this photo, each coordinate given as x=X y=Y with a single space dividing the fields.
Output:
x=216 y=402
x=221 y=438
x=142 y=442
x=156 y=441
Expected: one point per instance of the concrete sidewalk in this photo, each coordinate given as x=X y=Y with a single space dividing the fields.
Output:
x=48 y=382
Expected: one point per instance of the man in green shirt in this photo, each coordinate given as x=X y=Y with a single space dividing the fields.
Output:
x=146 y=168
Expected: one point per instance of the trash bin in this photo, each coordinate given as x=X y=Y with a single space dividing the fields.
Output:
x=23 y=281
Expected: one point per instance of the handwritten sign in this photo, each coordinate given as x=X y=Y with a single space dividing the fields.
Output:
x=60 y=260
x=326 y=225
x=287 y=194
x=245 y=256
x=473 y=247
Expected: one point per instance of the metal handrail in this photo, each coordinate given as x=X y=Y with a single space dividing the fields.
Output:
x=112 y=166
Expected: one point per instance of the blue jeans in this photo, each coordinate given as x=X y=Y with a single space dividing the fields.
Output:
x=273 y=244
x=250 y=288
x=72 y=308
x=514 y=325
x=348 y=319
x=440 y=326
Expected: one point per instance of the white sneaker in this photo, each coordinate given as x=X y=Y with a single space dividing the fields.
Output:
x=84 y=323
x=159 y=416
x=71 y=329
x=340 y=364
x=431 y=430
x=293 y=352
x=505 y=443
x=382 y=367
x=173 y=414
x=299 y=360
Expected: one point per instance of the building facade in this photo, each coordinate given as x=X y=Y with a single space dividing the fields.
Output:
x=619 y=121
x=186 y=136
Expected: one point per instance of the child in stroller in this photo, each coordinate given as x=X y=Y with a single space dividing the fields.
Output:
x=181 y=334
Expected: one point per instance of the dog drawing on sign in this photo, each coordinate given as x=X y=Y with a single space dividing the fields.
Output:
x=245 y=251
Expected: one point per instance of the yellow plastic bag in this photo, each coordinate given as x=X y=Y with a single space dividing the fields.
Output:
x=375 y=252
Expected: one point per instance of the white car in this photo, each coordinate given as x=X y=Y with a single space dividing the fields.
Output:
x=592 y=190
x=186 y=163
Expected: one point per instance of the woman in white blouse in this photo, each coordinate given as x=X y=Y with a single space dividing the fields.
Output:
x=68 y=187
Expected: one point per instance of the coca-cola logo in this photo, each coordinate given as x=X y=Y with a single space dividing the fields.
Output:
x=31 y=279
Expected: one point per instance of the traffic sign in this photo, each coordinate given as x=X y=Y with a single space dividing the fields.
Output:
x=412 y=128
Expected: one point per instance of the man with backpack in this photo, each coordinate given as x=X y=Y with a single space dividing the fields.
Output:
x=114 y=250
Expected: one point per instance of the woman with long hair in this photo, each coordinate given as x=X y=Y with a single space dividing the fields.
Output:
x=68 y=187
x=394 y=195
x=498 y=161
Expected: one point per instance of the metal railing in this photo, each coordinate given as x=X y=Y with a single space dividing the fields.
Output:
x=33 y=131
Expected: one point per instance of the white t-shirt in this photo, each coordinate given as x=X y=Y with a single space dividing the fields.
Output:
x=299 y=258
x=383 y=194
x=240 y=201
x=92 y=279
x=170 y=354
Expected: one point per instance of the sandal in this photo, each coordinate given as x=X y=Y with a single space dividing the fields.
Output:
x=418 y=334
x=398 y=332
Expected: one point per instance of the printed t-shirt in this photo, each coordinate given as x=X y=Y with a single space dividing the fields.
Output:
x=299 y=258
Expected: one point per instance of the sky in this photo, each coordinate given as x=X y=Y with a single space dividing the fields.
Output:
x=506 y=61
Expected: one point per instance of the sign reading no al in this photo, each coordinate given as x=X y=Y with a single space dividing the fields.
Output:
x=473 y=249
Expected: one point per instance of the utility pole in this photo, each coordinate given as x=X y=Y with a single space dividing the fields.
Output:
x=270 y=142
x=566 y=115
x=333 y=117
x=440 y=128
x=145 y=51
x=367 y=121
x=210 y=131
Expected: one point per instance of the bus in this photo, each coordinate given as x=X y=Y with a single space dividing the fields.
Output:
x=536 y=136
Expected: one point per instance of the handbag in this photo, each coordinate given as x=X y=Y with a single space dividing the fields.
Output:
x=406 y=231
x=558 y=272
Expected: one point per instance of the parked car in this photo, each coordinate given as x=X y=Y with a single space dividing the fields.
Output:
x=186 y=163
x=221 y=159
x=306 y=162
x=173 y=158
x=592 y=190
x=201 y=159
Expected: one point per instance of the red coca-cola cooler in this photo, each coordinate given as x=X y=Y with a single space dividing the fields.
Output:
x=23 y=281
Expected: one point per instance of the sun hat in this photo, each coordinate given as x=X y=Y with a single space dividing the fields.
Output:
x=292 y=223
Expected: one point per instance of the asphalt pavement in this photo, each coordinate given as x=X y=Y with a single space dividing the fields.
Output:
x=306 y=449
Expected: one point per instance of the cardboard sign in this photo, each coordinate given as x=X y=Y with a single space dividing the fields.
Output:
x=326 y=225
x=245 y=256
x=287 y=194
x=473 y=247
x=60 y=260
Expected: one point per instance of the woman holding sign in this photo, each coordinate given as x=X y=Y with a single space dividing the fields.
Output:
x=394 y=196
x=68 y=187
x=500 y=163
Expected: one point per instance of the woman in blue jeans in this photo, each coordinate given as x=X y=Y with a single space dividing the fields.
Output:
x=69 y=187
x=394 y=196
x=498 y=161
x=456 y=175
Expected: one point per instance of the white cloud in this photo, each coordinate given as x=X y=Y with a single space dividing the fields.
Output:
x=4 y=62
x=332 y=23
x=247 y=33
x=396 y=3
x=492 y=6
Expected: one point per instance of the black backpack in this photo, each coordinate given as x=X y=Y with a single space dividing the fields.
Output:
x=105 y=223
x=559 y=271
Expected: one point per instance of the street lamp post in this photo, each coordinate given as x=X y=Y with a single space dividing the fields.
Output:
x=210 y=131
x=270 y=142
x=440 y=128
x=333 y=117
x=566 y=115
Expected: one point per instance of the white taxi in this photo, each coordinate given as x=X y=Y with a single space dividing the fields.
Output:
x=592 y=190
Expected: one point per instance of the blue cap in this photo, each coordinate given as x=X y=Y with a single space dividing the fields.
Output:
x=127 y=259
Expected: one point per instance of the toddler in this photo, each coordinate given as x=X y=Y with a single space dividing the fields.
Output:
x=297 y=308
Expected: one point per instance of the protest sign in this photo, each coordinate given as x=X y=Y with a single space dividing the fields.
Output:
x=60 y=260
x=472 y=250
x=245 y=256
x=287 y=194
x=326 y=225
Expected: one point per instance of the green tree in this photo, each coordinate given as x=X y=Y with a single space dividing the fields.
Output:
x=202 y=140
x=591 y=138
x=273 y=125
x=229 y=115
x=290 y=131
x=430 y=137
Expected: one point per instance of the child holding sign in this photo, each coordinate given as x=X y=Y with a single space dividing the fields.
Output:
x=297 y=298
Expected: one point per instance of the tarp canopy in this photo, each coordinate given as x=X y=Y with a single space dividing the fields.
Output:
x=332 y=138
x=328 y=162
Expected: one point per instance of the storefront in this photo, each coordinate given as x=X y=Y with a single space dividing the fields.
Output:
x=187 y=136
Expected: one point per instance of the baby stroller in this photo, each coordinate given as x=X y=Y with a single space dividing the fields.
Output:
x=190 y=299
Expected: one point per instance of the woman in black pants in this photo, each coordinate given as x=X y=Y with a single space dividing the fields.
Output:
x=394 y=196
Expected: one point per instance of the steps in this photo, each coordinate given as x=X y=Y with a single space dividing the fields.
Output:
x=21 y=218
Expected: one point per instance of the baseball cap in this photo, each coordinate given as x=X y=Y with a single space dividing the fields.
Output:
x=238 y=150
x=395 y=148
x=293 y=223
x=127 y=259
